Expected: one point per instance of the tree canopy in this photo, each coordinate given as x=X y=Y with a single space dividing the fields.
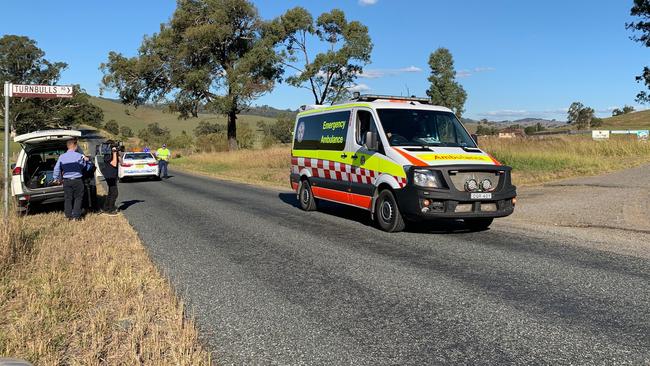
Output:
x=580 y=115
x=328 y=75
x=444 y=89
x=22 y=62
x=625 y=110
x=212 y=55
x=641 y=9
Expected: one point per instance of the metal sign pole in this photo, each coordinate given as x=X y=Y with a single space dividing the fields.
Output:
x=6 y=161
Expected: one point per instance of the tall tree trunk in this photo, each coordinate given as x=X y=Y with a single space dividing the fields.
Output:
x=232 y=130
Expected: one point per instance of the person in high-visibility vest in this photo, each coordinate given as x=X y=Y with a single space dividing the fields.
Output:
x=163 y=154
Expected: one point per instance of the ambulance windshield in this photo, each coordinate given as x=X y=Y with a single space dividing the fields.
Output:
x=417 y=127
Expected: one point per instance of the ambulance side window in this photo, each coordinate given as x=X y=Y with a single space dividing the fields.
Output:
x=364 y=123
x=325 y=131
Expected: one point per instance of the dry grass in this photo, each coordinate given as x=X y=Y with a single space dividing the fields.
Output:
x=87 y=293
x=534 y=161
x=265 y=167
x=537 y=161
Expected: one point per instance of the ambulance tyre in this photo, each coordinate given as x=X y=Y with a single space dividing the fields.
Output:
x=387 y=212
x=478 y=224
x=306 y=196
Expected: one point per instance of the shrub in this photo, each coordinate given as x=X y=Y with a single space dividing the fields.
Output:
x=112 y=127
x=206 y=128
x=268 y=141
x=154 y=134
x=212 y=142
x=126 y=132
x=182 y=141
x=281 y=131
x=245 y=137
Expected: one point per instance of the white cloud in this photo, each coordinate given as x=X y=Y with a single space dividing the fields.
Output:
x=410 y=69
x=484 y=69
x=372 y=74
x=465 y=73
x=380 y=73
x=358 y=88
x=367 y=2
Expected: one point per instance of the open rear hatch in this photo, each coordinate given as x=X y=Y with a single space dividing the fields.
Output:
x=43 y=149
x=40 y=137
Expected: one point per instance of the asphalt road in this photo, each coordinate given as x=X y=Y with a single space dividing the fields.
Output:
x=271 y=284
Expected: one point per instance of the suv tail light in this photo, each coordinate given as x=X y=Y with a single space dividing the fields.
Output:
x=152 y=164
x=126 y=165
x=17 y=171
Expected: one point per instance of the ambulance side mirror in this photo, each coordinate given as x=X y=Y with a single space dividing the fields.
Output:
x=371 y=141
x=475 y=138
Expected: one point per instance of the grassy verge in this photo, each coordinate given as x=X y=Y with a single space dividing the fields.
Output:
x=534 y=161
x=539 y=161
x=87 y=293
x=264 y=167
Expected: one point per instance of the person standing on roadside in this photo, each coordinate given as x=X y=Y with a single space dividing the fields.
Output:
x=69 y=169
x=163 y=154
x=110 y=175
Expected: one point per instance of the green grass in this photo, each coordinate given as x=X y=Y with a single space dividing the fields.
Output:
x=139 y=118
x=630 y=121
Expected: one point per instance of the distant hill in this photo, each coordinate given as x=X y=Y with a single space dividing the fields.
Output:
x=523 y=122
x=139 y=118
x=634 y=120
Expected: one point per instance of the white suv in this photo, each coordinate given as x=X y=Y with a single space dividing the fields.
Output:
x=31 y=181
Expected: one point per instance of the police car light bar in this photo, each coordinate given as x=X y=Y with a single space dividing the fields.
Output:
x=374 y=97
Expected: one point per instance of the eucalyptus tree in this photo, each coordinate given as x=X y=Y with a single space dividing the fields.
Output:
x=345 y=48
x=212 y=55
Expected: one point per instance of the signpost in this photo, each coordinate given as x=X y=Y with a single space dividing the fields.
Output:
x=600 y=134
x=25 y=91
x=6 y=152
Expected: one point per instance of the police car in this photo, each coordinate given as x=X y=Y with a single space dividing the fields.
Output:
x=137 y=164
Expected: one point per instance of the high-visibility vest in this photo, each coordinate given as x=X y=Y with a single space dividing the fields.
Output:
x=163 y=154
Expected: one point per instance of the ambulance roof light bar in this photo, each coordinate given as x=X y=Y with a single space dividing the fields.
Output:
x=356 y=96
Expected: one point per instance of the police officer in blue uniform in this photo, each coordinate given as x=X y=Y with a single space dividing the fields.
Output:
x=69 y=169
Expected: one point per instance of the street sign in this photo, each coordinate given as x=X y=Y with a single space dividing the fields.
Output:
x=24 y=91
x=41 y=91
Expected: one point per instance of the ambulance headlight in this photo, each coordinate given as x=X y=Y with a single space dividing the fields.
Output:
x=426 y=178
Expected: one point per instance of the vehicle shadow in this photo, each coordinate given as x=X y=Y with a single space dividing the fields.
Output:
x=135 y=180
x=126 y=204
x=442 y=226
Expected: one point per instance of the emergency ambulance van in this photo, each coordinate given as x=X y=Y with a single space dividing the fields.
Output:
x=401 y=159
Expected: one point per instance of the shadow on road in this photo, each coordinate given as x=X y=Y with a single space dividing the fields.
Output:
x=442 y=226
x=126 y=204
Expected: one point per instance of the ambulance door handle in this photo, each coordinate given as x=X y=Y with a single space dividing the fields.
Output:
x=344 y=155
x=355 y=156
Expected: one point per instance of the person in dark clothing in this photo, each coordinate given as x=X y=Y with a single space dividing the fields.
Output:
x=69 y=169
x=110 y=175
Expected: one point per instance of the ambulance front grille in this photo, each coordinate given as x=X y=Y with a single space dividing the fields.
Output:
x=458 y=179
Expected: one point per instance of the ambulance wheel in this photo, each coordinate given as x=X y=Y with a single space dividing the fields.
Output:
x=479 y=224
x=306 y=197
x=387 y=212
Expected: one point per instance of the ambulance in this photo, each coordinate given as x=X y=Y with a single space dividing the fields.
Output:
x=400 y=158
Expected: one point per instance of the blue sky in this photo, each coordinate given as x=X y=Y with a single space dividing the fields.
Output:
x=515 y=58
